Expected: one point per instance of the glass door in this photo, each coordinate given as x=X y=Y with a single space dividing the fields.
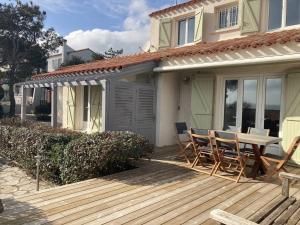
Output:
x=253 y=102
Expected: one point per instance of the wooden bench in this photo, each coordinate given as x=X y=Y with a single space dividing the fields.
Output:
x=286 y=210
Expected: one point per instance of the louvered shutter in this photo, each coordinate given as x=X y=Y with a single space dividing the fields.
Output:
x=202 y=102
x=291 y=123
x=123 y=106
x=199 y=24
x=96 y=100
x=251 y=10
x=165 y=32
x=145 y=118
x=71 y=108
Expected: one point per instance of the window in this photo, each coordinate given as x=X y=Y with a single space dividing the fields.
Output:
x=228 y=17
x=56 y=63
x=280 y=16
x=253 y=102
x=186 y=31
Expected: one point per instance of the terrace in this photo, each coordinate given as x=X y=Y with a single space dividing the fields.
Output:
x=161 y=191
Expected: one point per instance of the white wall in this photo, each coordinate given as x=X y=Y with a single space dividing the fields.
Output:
x=167 y=109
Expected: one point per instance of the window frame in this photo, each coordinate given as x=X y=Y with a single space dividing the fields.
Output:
x=283 y=17
x=227 y=7
x=186 y=19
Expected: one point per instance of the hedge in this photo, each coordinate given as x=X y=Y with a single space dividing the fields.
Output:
x=69 y=156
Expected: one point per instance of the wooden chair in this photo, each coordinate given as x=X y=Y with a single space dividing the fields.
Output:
x=284 y=210
x=203 y=149
x=275 y=164
x=228 y=150
x=183 y=140
x=234 y=129
x=255 y=131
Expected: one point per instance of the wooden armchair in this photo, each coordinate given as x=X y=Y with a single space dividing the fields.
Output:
x=183 y=140
x=283 y=211
x=275 y=164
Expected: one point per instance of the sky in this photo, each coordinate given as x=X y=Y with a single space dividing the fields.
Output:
x=101 y=24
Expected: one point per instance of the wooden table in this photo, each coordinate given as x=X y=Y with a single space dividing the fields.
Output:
x=259 y=144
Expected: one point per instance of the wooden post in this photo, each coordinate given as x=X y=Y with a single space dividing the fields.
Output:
x=103 y=110
x=53 y=105
x=23 y=104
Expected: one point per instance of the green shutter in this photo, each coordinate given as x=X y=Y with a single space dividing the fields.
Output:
x=165 y=31
x=199 y=24
x=96 y=100
x=71 y=108
x=202 y=102
x=251 y=10
x=291 y=121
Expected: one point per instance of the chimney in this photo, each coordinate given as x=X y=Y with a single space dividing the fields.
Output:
x=64 y=52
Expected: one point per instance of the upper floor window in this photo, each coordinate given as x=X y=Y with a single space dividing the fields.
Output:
x=228 y=17
x=56 y=63
x=186 y=31
x=283 y=13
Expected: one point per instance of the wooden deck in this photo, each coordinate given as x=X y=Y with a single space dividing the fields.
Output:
x=162 y=191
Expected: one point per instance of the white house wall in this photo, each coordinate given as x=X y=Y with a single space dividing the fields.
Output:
x=167 y=108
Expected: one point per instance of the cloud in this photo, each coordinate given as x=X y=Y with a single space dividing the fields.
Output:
x=135 y=32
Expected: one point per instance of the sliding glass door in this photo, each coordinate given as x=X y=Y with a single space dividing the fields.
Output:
x=253 y=102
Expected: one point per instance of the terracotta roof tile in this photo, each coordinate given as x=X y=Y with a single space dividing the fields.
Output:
x=252 y=41
x=174 y=7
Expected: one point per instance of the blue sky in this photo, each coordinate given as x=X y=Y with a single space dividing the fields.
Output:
x=101 y=24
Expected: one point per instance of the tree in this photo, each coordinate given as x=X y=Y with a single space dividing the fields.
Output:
x=97 y=56
x=24 y=42
x=75 y=60
x=110 y=53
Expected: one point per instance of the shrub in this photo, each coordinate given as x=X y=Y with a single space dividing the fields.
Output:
x=69 y=156
x=21 y=145
x=101 y=154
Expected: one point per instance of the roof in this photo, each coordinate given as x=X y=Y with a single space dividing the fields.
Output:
x=174 y=7
x=117 y=63
x=230 y=45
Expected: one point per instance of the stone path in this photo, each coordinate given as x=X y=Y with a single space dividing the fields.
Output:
x=15 y=182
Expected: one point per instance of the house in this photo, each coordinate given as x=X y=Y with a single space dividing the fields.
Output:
x=42 y=96
x=213 y=64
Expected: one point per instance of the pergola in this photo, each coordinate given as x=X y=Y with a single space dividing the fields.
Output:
x=99 y=77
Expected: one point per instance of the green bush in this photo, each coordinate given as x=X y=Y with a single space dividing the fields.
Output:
x=69 y=156
x=102 y=153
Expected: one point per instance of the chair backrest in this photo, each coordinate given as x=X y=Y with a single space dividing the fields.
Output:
x=257 y=131
x=201 y=136
x=291 y=150
x=227 y=140
x=234 y=129
x=181 y=128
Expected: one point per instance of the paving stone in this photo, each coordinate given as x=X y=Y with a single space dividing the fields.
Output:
x=14 y=182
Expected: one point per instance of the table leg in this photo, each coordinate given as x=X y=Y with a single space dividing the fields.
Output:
x=258 y=166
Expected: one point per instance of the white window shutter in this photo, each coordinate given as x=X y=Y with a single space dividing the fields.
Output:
x=251 y=10
x=96 y=104
x=165 y=33
x=199 y=24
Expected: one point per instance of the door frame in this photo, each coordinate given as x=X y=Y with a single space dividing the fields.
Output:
x=260 y=101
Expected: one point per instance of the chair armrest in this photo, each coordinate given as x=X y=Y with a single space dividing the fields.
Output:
x=228 y=219
x=289 y=176
x=286 y=178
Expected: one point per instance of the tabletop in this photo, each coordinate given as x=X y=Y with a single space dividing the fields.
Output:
x=257 y=139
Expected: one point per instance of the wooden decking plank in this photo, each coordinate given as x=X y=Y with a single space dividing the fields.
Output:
x=284 y=217
x=229 y=189
x=277 y=212
x=246 y=202
x=122 y=193
x=295 y=219
x=135 y=204
x=201 y=213
x=148 y=213
x=114 y=201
